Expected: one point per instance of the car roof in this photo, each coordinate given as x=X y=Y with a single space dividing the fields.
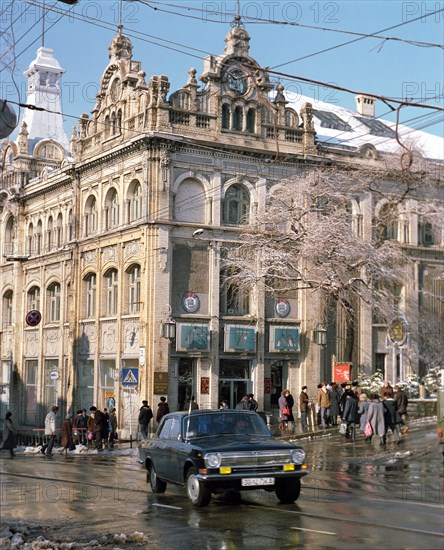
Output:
x=214 y=412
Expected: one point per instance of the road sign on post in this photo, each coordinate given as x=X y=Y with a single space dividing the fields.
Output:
x=130 y=377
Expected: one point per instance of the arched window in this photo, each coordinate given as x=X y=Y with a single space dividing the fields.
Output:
x=225 y=116
x=30 y=239
x=70 y=226
x=90 y=216
x=135 y=201
x=38 y=238
x=119 y=121
x=7 y=308
x=54 y=303
x=251 y=121
x=112 y=292
x=59 y=231
x=90 y=294
x=10 y=247
x=234 y=300
x=112 y=209
x=236 y=206
x=238 y=118
x=49 y=234
x=107 y=126
x=290 y=118
x=33 y=299
x=388 y=222
x=133 y=274
x=113 y=124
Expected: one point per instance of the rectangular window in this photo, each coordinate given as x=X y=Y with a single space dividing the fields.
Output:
x=34 y=299
x=85 y=387
x=106 y=381
x=134 y=290
x=5 y=377
x=51 y=367
x=380 y=362
x=91 y=289
x=54 y=303
x=31 y=372
x=112 y=292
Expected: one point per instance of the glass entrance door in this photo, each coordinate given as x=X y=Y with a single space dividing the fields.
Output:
x=234 y=380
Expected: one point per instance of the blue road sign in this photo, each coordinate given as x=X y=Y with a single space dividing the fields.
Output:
x=130 y=376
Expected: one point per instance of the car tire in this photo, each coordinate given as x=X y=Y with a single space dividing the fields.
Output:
x=157 y=485
x=288 y=490
x=198 y=494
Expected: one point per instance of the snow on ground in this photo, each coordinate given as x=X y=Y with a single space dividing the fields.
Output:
x=80 y=450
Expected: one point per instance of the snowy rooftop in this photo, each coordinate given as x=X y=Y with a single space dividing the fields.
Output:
x=337 y=126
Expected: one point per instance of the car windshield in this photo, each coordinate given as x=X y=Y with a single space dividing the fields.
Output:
x=202 y=425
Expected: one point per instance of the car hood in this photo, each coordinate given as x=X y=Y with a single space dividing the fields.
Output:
x=229 y=443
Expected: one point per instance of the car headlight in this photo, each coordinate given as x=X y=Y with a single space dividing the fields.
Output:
x=298 y=456
x=212 y=460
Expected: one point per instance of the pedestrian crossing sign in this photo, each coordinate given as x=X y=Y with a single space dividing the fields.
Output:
x=130 y=376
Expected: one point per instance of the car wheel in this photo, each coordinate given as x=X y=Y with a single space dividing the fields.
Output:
x=288 y=490
x=157 y=485
x=196 y=491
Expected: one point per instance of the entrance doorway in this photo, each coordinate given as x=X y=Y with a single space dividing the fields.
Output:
x=234 y=380
x=186 y=386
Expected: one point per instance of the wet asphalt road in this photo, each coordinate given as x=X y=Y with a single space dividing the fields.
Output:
x=357 y=496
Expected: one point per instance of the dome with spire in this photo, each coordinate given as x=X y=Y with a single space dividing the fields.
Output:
x=237 y=40
x=120 y=47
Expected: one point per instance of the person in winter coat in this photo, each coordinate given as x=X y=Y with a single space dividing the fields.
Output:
x=66 y=433
x=392 y=417
x=282 y=402
x=290 y=405
x=386 y=388
x=334 y=404
x=99 y=427
x=112 y=427
x=162 y=409
x=363 y=406
x=375 y=416
x=350 y=414
x=402 y=402
x=81 y=425
x=50 y=430
x=323 y=401
x=304 y=407
x=9 y=435
x=145 y=416
x=252 y=403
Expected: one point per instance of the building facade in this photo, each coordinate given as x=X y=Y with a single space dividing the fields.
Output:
x=113 y=246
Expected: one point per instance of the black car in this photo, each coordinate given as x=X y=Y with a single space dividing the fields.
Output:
x=218 y=451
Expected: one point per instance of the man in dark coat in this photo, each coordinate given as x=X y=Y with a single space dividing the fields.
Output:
x=9 y=435
x=402 y=401
x=350 y=414
x=162 y=409
x=99 y=426
x=145 y=416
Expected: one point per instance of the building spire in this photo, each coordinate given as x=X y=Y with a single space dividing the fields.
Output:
x=237 y=22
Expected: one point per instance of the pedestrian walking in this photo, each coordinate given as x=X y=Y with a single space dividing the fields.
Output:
x=162 y=409
x=284 y=411
x=304 y=408
x=112 y=427
x=99 y=427
x=323 y=400
x=50 y=430
x=243 y=404
x=82 y=427
x=334 y=404
x=402 y=402
x=375 y=417
x=363 y=406
x=392 y=417
x=290 y=404
x=350 y=414
x=9 y=435
x=252 y=403
x=145 y=416
x=386 y=388
x=66 y=440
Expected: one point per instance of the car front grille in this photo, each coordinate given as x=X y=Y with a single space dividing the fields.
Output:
x=255 y=459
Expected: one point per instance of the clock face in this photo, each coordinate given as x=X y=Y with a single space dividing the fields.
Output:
x=237 y=82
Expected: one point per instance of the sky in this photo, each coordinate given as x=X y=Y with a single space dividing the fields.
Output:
x=170 y=36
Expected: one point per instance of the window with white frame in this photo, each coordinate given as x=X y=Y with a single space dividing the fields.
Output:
x=112 y=209
x=70 y=226
x=7 y=308
x=31 y=378
x=54 y=303
x=38 y=238
x=51 y=365
x=30 y=239
x=91 y=294
x=90 y=216
x=59 y=231
x=234 y=300
x=112 y=291
x=134 y=289
x=10 y=247
x=49 y=234
x=135 y=201
x=33 y=298
x=236 y=205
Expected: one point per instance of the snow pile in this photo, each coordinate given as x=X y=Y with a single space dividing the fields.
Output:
x=18 y=536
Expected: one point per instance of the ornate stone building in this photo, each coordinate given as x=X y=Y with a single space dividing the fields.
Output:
x=120 y=240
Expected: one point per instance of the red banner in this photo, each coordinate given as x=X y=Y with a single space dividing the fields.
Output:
x=341 y=372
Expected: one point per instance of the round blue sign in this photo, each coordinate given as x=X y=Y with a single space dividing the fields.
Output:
x=33 y=318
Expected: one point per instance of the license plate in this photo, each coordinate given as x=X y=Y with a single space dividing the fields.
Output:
x=253 y=481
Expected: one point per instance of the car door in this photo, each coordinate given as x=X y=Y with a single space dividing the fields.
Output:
x=162 y=449
x=175 y=458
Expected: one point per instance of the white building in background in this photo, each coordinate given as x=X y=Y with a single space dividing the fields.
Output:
x=120 y=239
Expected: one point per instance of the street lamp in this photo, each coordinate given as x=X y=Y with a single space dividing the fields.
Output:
x=320 y=335
x=169 y=327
